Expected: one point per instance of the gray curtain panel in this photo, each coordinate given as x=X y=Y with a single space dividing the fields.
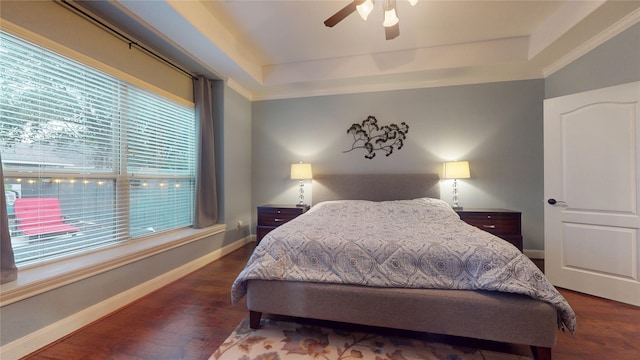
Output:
x=206 y=211
x=7 y=260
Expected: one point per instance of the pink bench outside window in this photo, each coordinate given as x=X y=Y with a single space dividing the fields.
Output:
x=40 y=216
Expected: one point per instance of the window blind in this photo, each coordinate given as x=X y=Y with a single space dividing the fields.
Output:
x=118 y=159
x=161 y=163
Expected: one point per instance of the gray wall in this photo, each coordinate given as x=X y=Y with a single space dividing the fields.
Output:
x=496 y=126
x=615 y=62
x=236 y=195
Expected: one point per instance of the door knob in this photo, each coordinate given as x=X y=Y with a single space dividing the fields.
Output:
x=553 y=201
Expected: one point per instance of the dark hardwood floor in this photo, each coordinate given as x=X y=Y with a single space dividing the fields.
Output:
x=190 y=318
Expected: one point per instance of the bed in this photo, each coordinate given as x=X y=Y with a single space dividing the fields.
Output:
x=383 y=250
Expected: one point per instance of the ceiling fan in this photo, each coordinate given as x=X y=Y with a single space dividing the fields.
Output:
x=391 y=22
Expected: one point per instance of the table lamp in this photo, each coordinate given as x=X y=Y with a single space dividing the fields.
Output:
x=301 y=171
x=456 y=170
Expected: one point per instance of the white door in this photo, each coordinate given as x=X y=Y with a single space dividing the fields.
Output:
x=591 y=187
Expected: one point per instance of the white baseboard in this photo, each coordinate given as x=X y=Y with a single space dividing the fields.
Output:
x=534 y=254
x=51 y=333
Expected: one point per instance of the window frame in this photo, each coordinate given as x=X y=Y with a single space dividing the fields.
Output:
x=41 y=277
x=119 y=175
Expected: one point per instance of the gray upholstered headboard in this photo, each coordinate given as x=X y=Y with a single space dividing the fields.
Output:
x=375 y=187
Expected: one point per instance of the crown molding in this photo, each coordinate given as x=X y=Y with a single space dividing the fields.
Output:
x=606 y=35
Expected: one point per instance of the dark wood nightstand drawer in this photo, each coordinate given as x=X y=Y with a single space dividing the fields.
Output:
x=276 y=216
x=271 y=216
x=505 y=224
x=498 y=223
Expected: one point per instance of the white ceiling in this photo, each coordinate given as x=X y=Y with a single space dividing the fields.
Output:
x=277 y=49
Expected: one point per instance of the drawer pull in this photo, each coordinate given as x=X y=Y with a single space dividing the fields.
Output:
x=277 y=220
x=489 y=226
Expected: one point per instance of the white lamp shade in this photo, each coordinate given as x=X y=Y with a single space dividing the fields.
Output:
x=301 y=171
x=456 y=170
x=390 y=18
x=365 y=9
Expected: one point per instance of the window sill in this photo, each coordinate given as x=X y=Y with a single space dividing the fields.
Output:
x=38 y=279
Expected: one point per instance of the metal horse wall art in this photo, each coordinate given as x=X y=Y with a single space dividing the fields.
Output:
x=371 y=137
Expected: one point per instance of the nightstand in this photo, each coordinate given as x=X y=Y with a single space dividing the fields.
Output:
x=271 y=216
x=503 y=223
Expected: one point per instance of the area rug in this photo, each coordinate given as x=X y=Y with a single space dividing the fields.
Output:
x=289 y=340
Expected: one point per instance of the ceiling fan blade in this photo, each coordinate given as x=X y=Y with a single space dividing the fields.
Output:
x=342 y=13
x=392 y=32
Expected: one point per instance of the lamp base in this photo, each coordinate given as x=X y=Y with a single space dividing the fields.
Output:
x=304 y=206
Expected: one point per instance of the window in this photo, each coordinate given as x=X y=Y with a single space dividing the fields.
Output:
x=89 y=160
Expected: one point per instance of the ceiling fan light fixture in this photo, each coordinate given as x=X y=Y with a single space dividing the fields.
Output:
x=365 y=9
x=390 y=17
